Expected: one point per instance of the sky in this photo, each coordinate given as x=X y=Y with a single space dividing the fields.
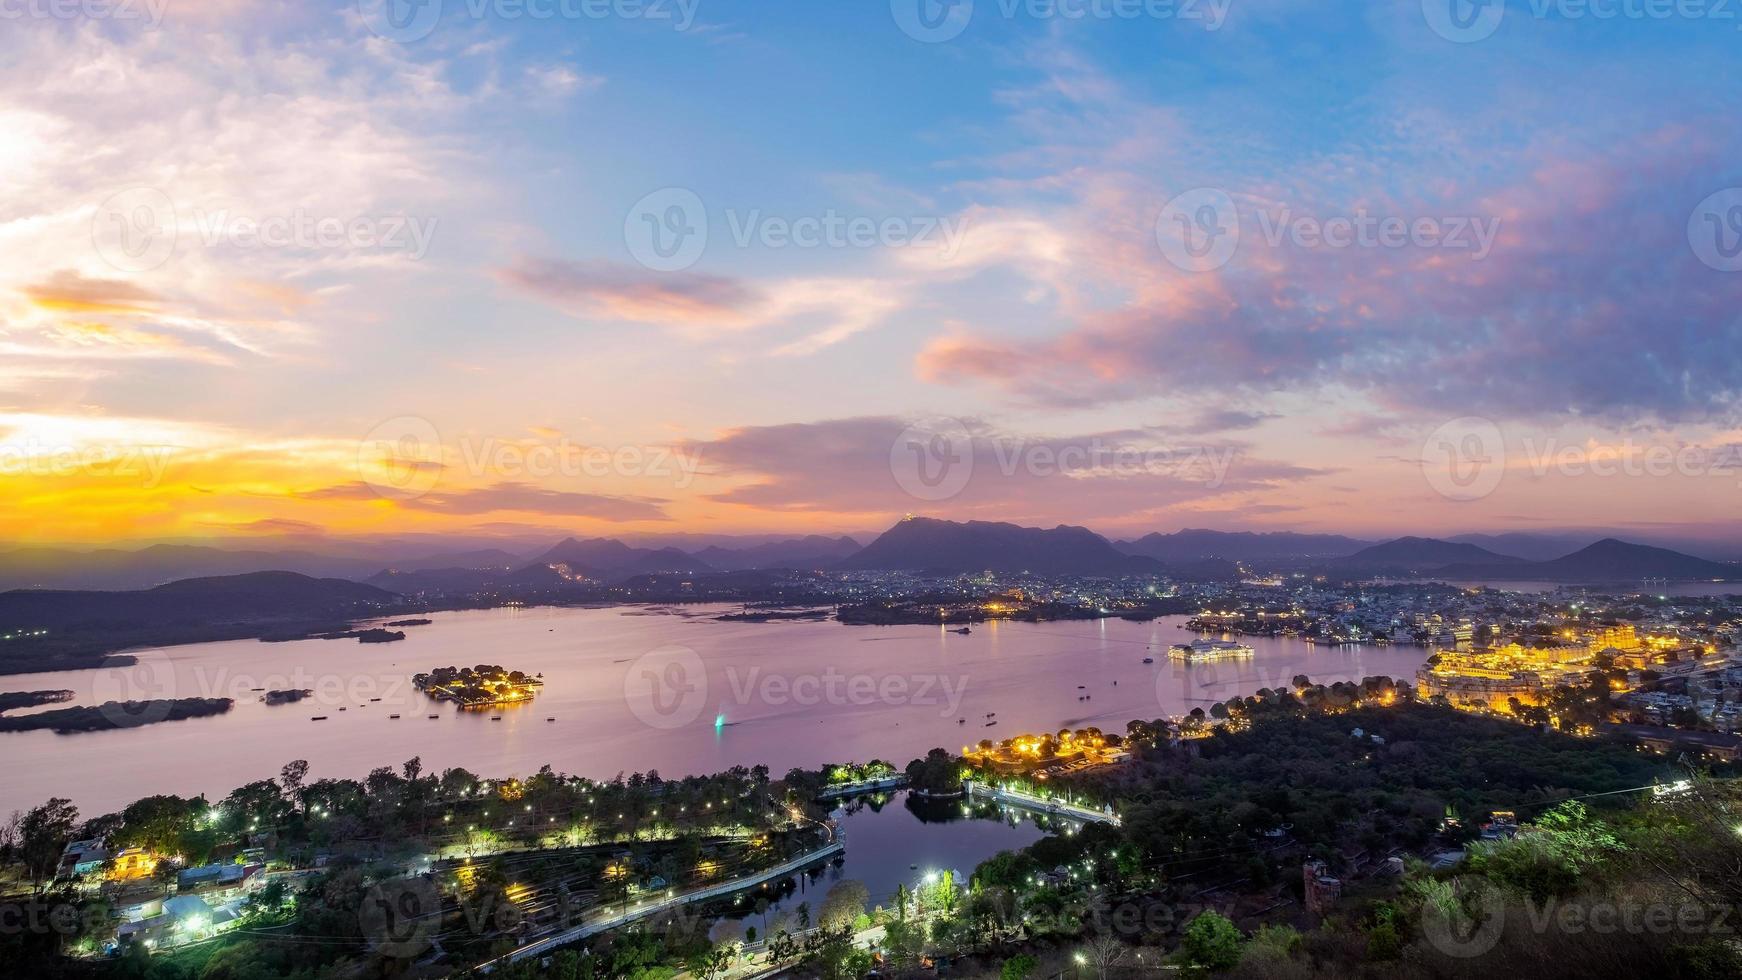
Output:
x=321 y=270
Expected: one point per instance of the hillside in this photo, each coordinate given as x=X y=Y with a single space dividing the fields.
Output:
x=78 y=628
x=1609 y=560
x=1417 y=554
x=927 y=544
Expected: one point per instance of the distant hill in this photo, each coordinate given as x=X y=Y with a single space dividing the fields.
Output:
x=437 y=581
x=1195 y=544
x=927 y=544
x=811 y=551
x=482 y=558
x=1609 y=560
x=113 y=569
x=1532 y=547
x=602 y=559
x=253 y=597
x=1418 y=554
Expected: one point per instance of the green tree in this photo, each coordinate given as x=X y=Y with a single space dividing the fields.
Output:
x=1018 y=967
x=1211 y=943
x=42 y=832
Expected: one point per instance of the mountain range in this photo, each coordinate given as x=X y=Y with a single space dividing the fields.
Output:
x=914 y=544
x=1609 y=560
x=927 y=544
x=1196 y=544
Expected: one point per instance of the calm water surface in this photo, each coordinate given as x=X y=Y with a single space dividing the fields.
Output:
x=895 y=839
x=634 y=689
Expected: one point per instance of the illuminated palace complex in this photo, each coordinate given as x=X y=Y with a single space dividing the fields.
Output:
x=1065 y=751
x=1526 y=672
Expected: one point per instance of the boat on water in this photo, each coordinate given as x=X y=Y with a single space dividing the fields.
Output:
x=990 y=724
x=964 y=631
x=1149 y=660
x=318 y=718
x=1204 y=651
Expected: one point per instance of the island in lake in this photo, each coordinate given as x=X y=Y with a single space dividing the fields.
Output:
x=482 y=686
x=116 y=714
x=286 y=697
x=31 y=699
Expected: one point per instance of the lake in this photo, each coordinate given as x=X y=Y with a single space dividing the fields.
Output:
x=897 y=839
x=634 y=688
